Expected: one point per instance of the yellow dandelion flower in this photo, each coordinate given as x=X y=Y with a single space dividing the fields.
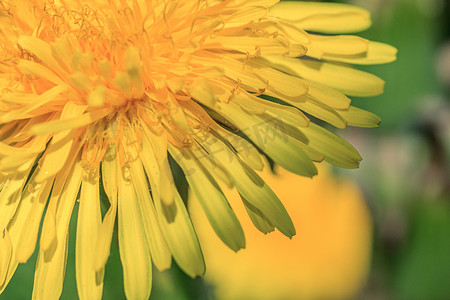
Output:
x=98 y=96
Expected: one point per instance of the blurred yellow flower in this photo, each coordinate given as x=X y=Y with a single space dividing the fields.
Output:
x=97 y=96
x=328 y=258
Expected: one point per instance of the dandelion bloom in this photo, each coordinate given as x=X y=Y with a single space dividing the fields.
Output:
x=98 y=97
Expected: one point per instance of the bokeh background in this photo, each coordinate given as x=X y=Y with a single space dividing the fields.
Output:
x=378 y=232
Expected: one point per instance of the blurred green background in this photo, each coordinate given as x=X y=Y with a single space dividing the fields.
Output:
x=404 y=174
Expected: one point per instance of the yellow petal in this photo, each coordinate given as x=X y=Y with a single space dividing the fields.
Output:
x=110 y=181
x=32 y=68
x=201 y=89
x=11 y=268
x=321 y=111
x=258 y=219
x=134 y=251
x=245 y=3
x=236 y=71
x=328 y=96
x=104 y=238
x=123 y=82
x=10 y=198
x=81 y=81
x=260 y=46
x=97 y=97
x=89 y=282
x=156 y=242
x=270 y=109
x=36 y=146
x=359 y=117
x=217 y=171
x=5 y=254
x=182 y=240
x=42 y=50
x=377 y=53
x=338 y=45
x=49 y=227
x=323 y=17
x=244 y=15
x=216 y=207
x=162 y=177
x=22 y=113
x=18 y=98
x=134 y=69
x=49 y=230
x=336 y=150
x=343 y=78
x=280 y=82
x=177 y=115
x=51 y=263
x=62 y=52
x=270 y=135
x=60 y=125
x=294 y=33
x=17 y=163
x=60 y=146
x=244 y=149
x=35 y=198
x=251 y=187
